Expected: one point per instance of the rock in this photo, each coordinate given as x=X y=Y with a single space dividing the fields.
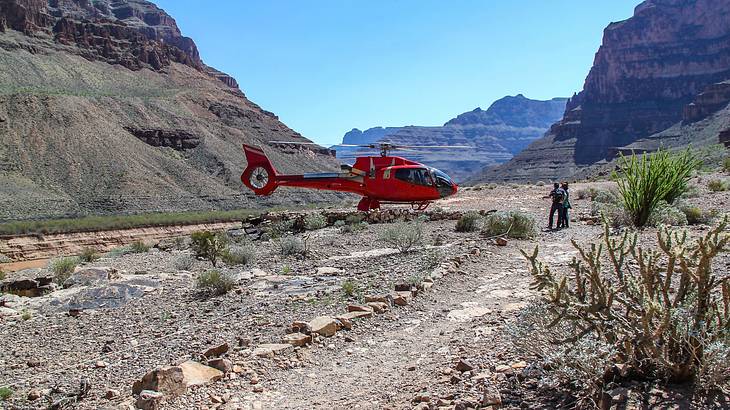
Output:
x=354 y=315
x=359 y=308
x=491 y=397
x=297 y=339
x=100 y=364
x=169 y=380
x=196 y=374
x=403 y=287
x=221 y=364
x=216 y=351
x=258 y=389
x=383 y=299
x=301 y=327
x=464 y=366
x=400 y=299
x=519 y=365
x=328 y=271
x=502 y=368
x=324 y=325
x=89 y=277
x=7 y=312
x=149 y=400
x=271 y=349
x=216 y=399
x=34 y=395
x=501 y=241
x=111 y=394
x=378 y=307
x=346 y=322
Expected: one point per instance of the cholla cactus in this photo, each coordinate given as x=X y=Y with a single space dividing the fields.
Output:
x=661 y=308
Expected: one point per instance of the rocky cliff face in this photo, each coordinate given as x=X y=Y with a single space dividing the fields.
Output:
x=106 y=108
x=508 y=126
x=647 y=71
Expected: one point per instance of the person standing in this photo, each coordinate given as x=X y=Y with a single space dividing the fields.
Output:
x=564 y=220
x=558 y=196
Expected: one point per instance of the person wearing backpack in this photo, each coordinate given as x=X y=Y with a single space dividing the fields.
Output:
x=558 y=196
x=564 y=220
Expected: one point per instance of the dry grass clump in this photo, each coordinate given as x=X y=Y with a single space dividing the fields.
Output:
x=239 y=255
x=216 y=282
x=404 y=236
x=62 y=268
x=314 y=221
x=513 y=224
x=469 y=222
x=292 y=245
x=625 y=311
x=718 y=185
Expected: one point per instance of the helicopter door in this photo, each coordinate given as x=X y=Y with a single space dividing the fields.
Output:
x=416 y=176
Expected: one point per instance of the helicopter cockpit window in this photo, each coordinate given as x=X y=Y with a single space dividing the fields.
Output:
x=418 y=176
x=442 y=180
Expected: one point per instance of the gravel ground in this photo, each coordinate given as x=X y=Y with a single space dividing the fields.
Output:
x=404 y=358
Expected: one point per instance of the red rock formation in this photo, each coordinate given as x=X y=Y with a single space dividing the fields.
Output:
x=133 y=33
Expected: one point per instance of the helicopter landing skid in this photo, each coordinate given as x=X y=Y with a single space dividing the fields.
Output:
x=420 y=206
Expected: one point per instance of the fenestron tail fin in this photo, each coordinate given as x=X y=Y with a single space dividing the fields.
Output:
x=260 y=174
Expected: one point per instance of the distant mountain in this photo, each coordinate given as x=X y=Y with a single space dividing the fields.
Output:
x=497 y=134
x=659 y=78
x=106 y=108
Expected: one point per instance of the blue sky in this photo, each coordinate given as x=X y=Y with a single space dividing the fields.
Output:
x=327 y=66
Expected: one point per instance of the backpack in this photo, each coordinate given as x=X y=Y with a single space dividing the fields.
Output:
x=558 y=196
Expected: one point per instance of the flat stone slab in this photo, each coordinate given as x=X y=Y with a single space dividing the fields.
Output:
x=197 y=374
x=271 y=349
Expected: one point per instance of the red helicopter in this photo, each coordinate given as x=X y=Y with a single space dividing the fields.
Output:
x=380 y=179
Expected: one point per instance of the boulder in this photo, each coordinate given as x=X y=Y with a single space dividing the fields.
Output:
x=501 y=241
x=324 y=325
x=378 y=307
x=196 y=374
x=355 y=315
x=376 y=298
x=149 y=400
x=216 y=351
x=271 y=349
x=401 y=298
x=90 y=277
x=301 y=327
x=297 y=339
x=169 y=380
x=359 y=308
x=223 y=365
x=464 y=366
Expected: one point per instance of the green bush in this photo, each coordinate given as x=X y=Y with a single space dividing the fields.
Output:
x=604 y=196
x=88 y=255
x=281 y=228
x=665 y=214
x=513 y=224
x=2 y=274
x=291 y=245
x=314 y=221
x=404 y=236
x=208 y=245
x=726 y=164
x=646 y=181
x=695 y=215
x=692 y=191
x=664 y=311
x=216 y=282
x=5 y=393
x=349 y=287
x=615 y=214
x=239 y=255
x=139 y=247
x=62 y=268
x=718 y=185
x=184 y=262
x=469 y=222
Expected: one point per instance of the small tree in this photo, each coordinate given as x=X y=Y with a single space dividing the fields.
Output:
x=210 y=246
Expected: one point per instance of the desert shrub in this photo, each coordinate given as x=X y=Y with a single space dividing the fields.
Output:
x=139 y=247
x=2 y=274
x=26 y=315
x=216 y=282
x=4 y=259
x=540 y=183
x=403 y=235
x=315 y=221
x=62 y=268
x=718 y=185
x=239 y=255
x=281 y=228
x=469 y=222
x=726 y=164
x=614 y=214
x=513 y=224
x=604 y=196
x=349 y=288
x=5 y=393
x=659 y=309
x=209 y=245
x=665 y=214
x=644 y=182
x=695 y=215
x=339 y=223
x=353 y=223
x=184 y=262
x=292 y=245
x=354 y=219
x=692 y=191
x=88 y=255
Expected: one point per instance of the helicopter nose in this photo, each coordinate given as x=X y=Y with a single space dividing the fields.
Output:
x=454 y=189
